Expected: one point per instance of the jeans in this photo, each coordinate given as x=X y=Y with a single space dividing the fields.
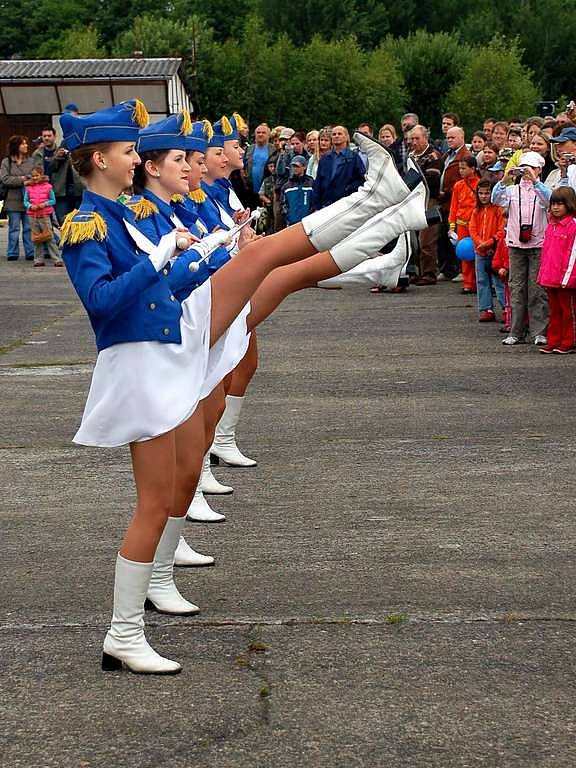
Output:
x=17 y=220
x=485 y=281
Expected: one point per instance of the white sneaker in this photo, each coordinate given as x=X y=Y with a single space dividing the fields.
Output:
x=458 y=278
x=510 y=341
x=441 y=277
x=540 y=341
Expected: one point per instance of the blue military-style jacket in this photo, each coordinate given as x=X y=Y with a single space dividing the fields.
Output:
x=125 y=297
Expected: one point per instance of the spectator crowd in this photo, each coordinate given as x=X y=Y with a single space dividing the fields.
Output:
x=506 y=192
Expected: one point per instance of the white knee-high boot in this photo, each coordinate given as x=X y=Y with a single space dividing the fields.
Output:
x=383 y=187
x=200 y=511
x=224 y=448
x=125 y=642
x=208 y=483
x=409 y=215
x=186 y=557
x=163 y=595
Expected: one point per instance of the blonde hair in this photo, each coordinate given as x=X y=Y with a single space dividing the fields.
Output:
x=390 y=128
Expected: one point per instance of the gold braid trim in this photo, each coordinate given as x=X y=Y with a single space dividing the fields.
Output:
x=226 y=127
x=142 y=208
x=177 y=199
x=198 y=195
x=208 y=130
x=140 y=114
x=91 y=227
x=186 y=126
x=240 y=122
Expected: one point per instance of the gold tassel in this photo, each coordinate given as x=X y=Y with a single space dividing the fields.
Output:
x=240 y=122
x=198 y=195
x=142 y=208
x=93 y=227
x=140 y=114
x=226 y=127
x=186 y=126
x=177 y=199
x=208 y=130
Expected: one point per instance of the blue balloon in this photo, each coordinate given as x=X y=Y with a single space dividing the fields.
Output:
x=465 y=249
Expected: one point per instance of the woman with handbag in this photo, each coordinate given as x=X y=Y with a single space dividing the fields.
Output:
x=39 y=201
x=15 y=171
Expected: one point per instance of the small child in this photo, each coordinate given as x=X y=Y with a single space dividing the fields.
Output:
x=486 y=229
x=462 y=204
x=296 y=195
x=557 y=272
x=501 y=268
x=39 y=202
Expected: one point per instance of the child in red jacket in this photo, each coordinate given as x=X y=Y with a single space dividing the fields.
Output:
x=462 y=204
x=486 y=230
x=501 y=267
x=558 y=272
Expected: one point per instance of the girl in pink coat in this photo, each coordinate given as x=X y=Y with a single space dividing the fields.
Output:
x=558 y=272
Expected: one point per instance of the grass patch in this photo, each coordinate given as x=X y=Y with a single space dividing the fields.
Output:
x=395 y=618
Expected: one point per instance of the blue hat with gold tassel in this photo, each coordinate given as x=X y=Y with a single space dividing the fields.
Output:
x=198 y=138
x=223 y=131
x=121 y=122
x=169 y=133
x=238 y=124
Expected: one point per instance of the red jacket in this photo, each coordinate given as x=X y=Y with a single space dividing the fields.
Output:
x=486 y=224
x=501 y=258
x=462 y=205
x=558 y=260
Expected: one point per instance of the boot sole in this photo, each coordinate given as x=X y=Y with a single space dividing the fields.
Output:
x=112 y=664
x=195 y=565
x=205 y=522
x=149 y=606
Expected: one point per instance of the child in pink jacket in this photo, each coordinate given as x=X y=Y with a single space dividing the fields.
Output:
x=39 y=202
x=558 y=272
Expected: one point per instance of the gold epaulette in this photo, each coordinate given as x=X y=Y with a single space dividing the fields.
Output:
x=141 y=208
x=177 y=199
x=80 y=226
x=198 y=195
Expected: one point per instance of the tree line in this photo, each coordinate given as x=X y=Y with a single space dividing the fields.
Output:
x=310 y=63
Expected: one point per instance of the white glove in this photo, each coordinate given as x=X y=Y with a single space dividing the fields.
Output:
x=164 y=251
x=453 y=237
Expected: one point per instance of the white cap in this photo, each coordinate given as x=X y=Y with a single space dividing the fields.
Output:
x=533 y=159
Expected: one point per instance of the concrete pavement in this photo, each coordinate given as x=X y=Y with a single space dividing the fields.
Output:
x=394 y=583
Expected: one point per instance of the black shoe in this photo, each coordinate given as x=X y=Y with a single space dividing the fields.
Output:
x=11 y=258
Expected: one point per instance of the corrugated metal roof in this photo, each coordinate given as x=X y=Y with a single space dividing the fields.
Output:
x=74 y=69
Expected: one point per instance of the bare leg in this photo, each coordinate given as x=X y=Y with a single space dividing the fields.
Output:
x=153 y=463
x=190 y=450
x=236 y=281
x=214 y=406
x=246 y=368
x=283 y=281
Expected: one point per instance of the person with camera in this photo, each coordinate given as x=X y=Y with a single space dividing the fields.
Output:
x=565 y=153
x=526 y=202
x=66 y=182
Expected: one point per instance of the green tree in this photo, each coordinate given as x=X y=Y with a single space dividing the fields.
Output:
x=430 y=65
x=154 y=36
x=494 y=82
x=78 y=42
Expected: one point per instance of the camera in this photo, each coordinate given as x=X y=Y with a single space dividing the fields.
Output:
x=568 y=157
x=519 y=171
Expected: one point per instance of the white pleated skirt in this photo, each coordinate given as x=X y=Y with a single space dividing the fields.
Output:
x=141 y=390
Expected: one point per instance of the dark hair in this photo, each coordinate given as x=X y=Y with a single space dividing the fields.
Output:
x=82 y=157
x=470 y=161
x=492 y=146
x=48 y=128
x=156 y=156
x=14 y=144
x=452 y=116
x=481 y=135
x=300 y=135
x=500 y=124
x=482 y=184
x=565 y=195
x=514 y=132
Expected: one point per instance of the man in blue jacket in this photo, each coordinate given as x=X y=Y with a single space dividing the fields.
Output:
x=297 y=191
x=340 y=172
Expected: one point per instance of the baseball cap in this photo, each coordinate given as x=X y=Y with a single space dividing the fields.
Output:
x=533 y=159
x=287 y=133
x=299 y=160
x=568 y=134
